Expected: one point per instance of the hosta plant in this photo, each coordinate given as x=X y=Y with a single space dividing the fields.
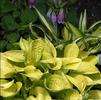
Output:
x=38 y=72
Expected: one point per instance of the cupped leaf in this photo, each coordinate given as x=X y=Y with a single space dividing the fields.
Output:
x=69 y=94
x=56 y=63
x=94 y=94
x=40 y=93
x=4 y=84
x=6 y=69
x=32 y=72
x=15 y=55
x=56 y=83
x=11 y=91
x=78 y=80
x=87 y=68
x=31 y=98
x=71 y=50
x=37 y=49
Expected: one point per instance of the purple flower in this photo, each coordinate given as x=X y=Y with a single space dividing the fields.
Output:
x=54 y=18
x=32 y=3
x=57 y=2
x=49 y=13
x=60 y=17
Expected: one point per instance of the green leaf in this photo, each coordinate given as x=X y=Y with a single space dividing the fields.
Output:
x=94 y=94
x=74 y=30
x=9 y=23
x=71 y=50
x=12 y=37
x=78 y=80
x=97 y=32
x=92 y=26
x=15 y=55
x=28 y=16
x=6 y=6
x=48 y=26
x=84 y=21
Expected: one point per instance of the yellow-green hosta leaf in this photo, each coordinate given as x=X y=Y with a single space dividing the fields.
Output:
x=15 y=55
x=46 y=55
x=4 y=84
x=31 y=98
x=50 y=48
x=70 y=60
x=69 y=94
x=72 y=66
x=56 y=83
x=96 y=78
x=24 y=45
x=11 y=91
x=71 y=50
x=78 y=80
x=6 y=69
x=37 y=49
x=87 y=68
x=83 y=54
x=94 y=95
x=19 y=69
x=40 y=93
x=92 y=59
x=56 y=63
x=32 y=72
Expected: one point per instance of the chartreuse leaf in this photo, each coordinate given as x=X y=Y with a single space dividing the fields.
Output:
x=69 y=94
x=92 y=59
x=83 y=54
x=4 y=84
x=31 y=98
x=71 y=50
x=70 y=60
x=40 y=93
x=94 y=95
x=56 y=83
x=15 y=55
x=24 y=45
x=6 y=69
x=32 y=72
x=12 y=90
x=87 y=68
x=37 y=49
x=78 y=80
x=96 y=78
x=52 y=48
x=56 y=63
